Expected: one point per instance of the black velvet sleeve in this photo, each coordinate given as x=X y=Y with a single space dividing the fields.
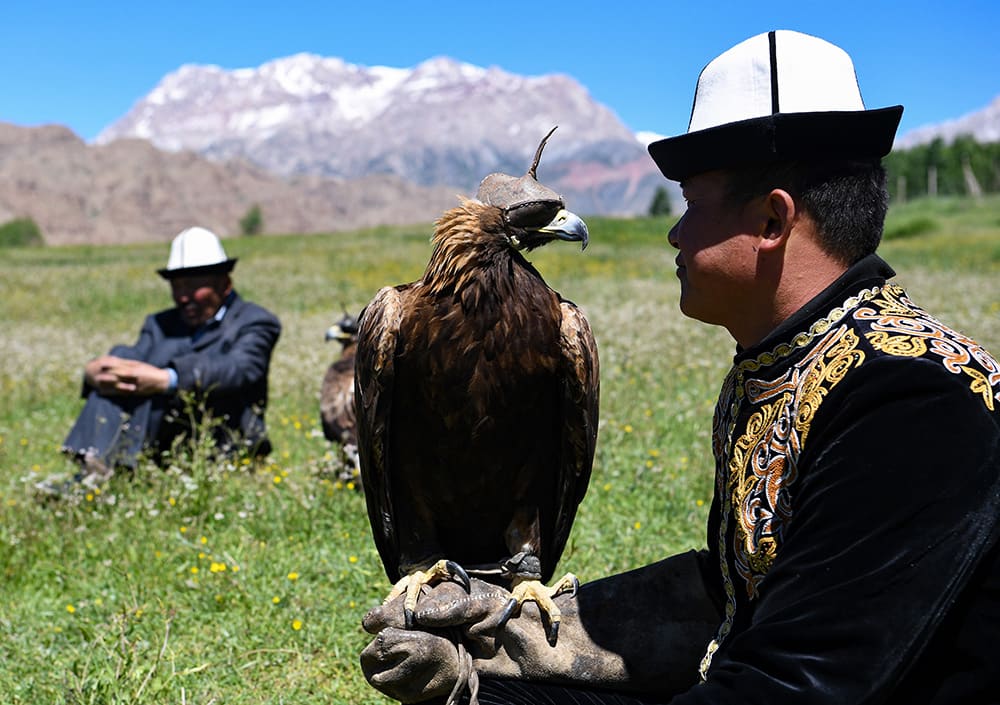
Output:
x=897 y=502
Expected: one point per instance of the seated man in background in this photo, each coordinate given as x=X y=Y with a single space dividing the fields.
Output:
x=212 y=343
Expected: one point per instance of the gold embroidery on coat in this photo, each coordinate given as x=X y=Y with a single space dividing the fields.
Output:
x=727 y=411
x=901 y=345
x=750 y=465
x=901 y=328
x=763 y=460
x=980 y=385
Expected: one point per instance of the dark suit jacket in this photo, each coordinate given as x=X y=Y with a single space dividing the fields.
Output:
x=226 y=368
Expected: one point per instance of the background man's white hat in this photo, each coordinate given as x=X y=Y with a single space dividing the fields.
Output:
x=778 y=96
x=196 y=251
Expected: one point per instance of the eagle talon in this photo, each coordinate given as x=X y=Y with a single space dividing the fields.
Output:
x=508 y=612
x=458 y=572
x=411 y=585
x=553 y=632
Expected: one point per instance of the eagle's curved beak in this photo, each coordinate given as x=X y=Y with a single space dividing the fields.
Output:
x=568 y=226
x=334 y=332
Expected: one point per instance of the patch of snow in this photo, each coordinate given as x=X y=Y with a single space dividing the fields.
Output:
x=261 y=118
x=645 y=138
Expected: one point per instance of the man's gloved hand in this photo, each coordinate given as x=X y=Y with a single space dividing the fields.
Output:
x=411 y=666
x=642 y=631
x=419 y=664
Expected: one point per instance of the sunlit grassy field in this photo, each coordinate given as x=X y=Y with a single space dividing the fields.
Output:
x=240 y=583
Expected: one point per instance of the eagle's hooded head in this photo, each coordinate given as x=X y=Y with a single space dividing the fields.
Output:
x=533 y=214
x=344 y=331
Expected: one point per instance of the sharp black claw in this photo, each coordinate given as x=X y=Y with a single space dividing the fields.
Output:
x=409 y=618
x=458 y=572
x=553 y=634
x=508 y=612
x=576 y=586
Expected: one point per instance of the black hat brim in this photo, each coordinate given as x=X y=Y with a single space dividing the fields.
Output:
x=862 y=134
x=220 y=268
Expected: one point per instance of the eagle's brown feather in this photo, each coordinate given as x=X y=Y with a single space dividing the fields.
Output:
x=336 y=399
x=477 y=397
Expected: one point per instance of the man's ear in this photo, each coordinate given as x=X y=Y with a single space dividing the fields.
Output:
x=778 y=215
x=225 y=285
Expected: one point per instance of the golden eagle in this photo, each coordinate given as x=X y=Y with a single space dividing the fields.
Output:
x=336 y=394
x=477 y=398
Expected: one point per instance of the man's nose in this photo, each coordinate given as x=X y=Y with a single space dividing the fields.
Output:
x=673 y=234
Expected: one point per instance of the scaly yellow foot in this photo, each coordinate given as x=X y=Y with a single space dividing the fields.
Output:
x=410 y=585
x=525 y=590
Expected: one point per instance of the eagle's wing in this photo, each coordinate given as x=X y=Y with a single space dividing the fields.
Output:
x=581 y=392
x=373 y=389
x=336 y=402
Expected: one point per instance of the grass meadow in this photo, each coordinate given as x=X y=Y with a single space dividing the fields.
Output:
x=207 y=583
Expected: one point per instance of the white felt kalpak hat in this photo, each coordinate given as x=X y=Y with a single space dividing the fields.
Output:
x=778 y=96
x=196 y=251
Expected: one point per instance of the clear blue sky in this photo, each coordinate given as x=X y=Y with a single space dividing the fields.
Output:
x=85 y=64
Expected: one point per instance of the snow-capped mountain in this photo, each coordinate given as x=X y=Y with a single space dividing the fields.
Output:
x=982 y=125
x=442 y=122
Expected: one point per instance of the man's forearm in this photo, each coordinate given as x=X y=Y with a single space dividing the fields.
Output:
x=643 y=631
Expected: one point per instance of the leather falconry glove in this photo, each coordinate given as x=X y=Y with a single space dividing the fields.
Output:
x=643 y=631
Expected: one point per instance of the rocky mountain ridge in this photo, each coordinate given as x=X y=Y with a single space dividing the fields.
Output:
x=321 y=145
x=442 y=122
x=129 y=191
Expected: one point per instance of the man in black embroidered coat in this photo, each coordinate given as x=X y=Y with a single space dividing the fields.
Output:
x=212 y=343
x=854 y=537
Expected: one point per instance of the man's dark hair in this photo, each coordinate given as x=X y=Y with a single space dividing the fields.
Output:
x=847 y=200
